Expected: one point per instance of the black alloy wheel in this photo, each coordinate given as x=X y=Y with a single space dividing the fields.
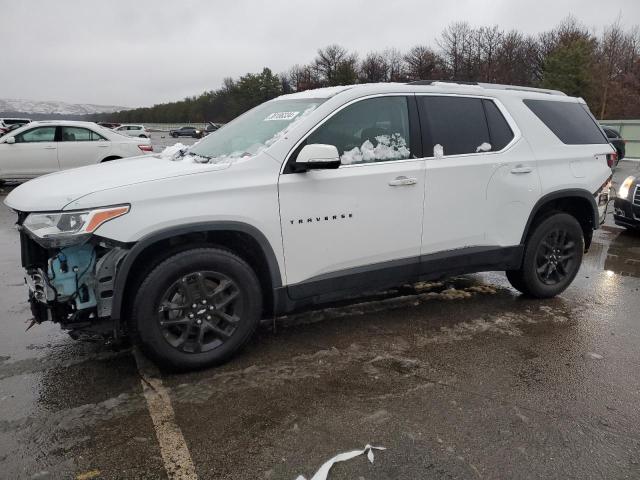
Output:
x=552 y=256
x=196 y=308
x=556 y=256
x=200 y=311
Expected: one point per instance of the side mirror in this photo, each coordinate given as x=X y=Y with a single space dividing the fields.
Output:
x=10 y=140
x=317 y=156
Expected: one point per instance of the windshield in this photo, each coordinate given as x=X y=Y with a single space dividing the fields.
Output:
x=255 y=130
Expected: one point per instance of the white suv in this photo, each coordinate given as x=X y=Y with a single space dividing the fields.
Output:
x=133 y=131
x=309 y=197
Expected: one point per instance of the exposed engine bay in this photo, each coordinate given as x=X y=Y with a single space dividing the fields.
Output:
x=72 y=286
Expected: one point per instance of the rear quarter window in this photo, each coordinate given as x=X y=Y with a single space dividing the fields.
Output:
x=570 y=122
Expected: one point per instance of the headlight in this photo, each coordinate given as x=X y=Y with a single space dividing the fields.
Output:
x=623 y=192
x=60 y=229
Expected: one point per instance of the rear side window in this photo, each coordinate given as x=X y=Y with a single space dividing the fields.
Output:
x=499 y=130
x=457 y=123
x=570 y=122
x=77 y=134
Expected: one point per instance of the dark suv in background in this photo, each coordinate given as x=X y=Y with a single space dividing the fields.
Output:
x=617 y=141
x=186 y=132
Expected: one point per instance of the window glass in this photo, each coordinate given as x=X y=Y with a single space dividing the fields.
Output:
x=457 y=123
x=373 y=130
x=257 y=129
x=499 y=130
x=570 y=122
x=40 y=134
x=77 y=134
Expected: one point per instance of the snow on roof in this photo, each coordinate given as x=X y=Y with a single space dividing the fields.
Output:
x=324 y=92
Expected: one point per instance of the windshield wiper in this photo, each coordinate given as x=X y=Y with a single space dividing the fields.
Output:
x=206 y=158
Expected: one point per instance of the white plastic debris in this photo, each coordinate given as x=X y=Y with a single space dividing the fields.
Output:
x=323 y=473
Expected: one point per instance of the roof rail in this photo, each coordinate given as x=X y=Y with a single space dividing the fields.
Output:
x=431 y=82
x=492 y=86
x=498 y=86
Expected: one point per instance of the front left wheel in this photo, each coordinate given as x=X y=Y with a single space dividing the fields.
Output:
x=197 y=308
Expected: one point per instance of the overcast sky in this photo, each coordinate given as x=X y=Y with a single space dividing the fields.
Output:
x=138 y=52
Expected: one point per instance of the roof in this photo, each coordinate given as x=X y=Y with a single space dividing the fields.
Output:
x=431 y=86
x=63 y=122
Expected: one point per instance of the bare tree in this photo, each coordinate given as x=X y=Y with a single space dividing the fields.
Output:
x=374 y=68
x=303 y=77
x=616 y=53
x=395 y=60
x=335 y=65
x=455 y=45
x=421 y=63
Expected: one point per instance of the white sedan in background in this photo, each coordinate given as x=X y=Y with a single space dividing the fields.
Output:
x=45 y=147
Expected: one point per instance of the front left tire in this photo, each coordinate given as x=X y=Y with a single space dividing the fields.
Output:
x=197 y=308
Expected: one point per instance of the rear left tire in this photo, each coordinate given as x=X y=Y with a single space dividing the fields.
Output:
x=552 y=257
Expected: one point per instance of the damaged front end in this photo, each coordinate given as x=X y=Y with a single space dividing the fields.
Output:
x=70 y=272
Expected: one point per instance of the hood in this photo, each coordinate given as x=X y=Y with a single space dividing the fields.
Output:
x=55 y=191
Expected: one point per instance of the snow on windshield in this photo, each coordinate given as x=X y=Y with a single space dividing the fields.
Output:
x=389 y=147
x=252 y=132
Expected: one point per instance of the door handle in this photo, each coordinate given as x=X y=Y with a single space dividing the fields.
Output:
x=402 y=180
x=49 y=148
x=521 y=169
x=102 y=146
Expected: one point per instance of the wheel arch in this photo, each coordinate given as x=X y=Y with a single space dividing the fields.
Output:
x=579 y=203
x=242 y=239
x=110 y=157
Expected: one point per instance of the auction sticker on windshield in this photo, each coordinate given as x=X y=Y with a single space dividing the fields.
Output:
x=281 y=116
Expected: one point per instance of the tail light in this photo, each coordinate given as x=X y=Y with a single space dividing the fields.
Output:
x=146 y=148
x=612 y=158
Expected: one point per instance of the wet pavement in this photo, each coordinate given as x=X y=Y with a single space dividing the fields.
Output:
x=457 y=379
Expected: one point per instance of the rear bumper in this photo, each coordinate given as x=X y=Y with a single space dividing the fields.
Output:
x=626 y=214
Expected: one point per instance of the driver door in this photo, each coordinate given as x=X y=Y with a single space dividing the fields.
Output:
x=360 y=225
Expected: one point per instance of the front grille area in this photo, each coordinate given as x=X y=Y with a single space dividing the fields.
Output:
x=636 y=196
x=32 y=254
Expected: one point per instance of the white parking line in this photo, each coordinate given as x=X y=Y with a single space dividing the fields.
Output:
x=173 y=448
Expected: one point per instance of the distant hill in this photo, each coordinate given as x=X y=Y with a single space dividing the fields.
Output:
x=38 y=110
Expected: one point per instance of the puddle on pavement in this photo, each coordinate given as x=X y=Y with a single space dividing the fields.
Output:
x=614 y=250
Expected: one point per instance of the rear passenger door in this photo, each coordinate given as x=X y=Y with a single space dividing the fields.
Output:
x=80 y=146
x=473 y=143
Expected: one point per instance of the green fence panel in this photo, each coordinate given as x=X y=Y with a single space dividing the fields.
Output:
x=630 y=131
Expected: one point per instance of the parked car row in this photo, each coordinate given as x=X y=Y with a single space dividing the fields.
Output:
x=8 y=124
x=44 y=147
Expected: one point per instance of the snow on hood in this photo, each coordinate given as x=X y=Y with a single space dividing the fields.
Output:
x=55 y=191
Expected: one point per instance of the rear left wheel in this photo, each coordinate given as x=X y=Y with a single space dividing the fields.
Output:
x=552 y=257
x=197 y=308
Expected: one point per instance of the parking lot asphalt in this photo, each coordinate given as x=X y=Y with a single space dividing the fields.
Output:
x=457 y=379
x=161 y=140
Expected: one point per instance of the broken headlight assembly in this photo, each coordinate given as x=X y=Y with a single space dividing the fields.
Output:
x=62 y=229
